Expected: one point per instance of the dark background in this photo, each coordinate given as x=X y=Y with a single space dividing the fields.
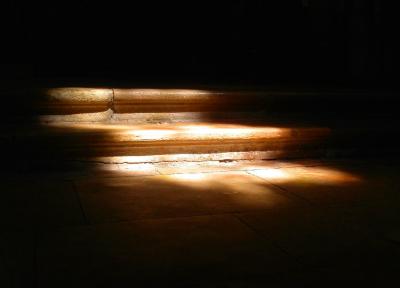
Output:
x=314 y=42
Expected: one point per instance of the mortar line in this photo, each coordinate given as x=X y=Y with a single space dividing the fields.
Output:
x=159 y=218
x=281 y=188
x=113 y=100
x=264 y=236
x=84 y=216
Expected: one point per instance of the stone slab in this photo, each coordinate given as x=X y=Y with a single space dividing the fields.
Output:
x=49 y=203
x=338 y=184
x=179 y=195
x=316 y=236
x=184 y=252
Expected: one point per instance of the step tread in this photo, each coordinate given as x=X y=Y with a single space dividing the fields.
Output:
x=176 y=132
x=85 y=100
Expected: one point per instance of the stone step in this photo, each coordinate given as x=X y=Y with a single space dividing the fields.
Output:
x=134 y=143
x=198 y=125
x=78 y=100
x=100 y=140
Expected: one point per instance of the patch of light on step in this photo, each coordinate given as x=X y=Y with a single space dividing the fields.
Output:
x=78 y=94
x=219 y=130
x=85 y=125
x=204 y=132
x=181 y=93
x=140 y=168
x=250 y=155
x=152 y=134
x=79 y=117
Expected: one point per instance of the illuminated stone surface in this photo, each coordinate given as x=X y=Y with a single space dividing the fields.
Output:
x=76 y=94
x=78 y=117
x=184 y=100
x=176 y=195
x=217 y=166
x=335 y=187
x=74 y=100
x=187 y=117
x=256 y=226
x=106 y=139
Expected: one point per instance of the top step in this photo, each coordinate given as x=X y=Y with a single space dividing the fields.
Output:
x=82 y=104
x=81 y=100
x=74 y=100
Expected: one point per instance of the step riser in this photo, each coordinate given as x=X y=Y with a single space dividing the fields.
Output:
x=191 y=117
x=155 y=118
x=127 y=150
x=92 y=140
x=62 y=101
x=200 y=157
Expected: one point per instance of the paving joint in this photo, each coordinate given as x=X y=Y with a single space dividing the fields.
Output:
x=281 y=188
x=263 y=236
x=84 y=216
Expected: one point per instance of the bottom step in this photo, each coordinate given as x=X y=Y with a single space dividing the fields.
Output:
x=207 y=141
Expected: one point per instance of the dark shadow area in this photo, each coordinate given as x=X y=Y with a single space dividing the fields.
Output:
x=345 y=43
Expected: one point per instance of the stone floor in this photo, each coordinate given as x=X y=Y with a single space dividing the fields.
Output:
x=202 y=224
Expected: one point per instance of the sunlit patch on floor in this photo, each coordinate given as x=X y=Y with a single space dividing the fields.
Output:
x=229 y=182
x=189 y=176
x=272 y=173
x=314 y=175
x=197 y=171
x=238 y=176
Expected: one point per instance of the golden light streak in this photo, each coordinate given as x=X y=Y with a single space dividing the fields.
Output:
x=189 y=176
x=78 y=94
x=312 y=175
x=202 y=132
x=164 y=94
x=187 y=158
x=271 y=173
x=181 y=131
x=152 y=134
x=202 y=174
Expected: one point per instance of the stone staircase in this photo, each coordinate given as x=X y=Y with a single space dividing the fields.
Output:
x=161 y=125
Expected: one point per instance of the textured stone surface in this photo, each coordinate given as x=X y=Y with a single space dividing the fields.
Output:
x=73 y=100
x=190 y=117
x=77 y=94
x=178 y=252
x=198 y=157
x=334 y=185
x=184 y=100
x=323 y=236
x=49 y=203
x=178 y=195
x=106 y=139
x=216 y=166
x=257 y=227
x=103 y=116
